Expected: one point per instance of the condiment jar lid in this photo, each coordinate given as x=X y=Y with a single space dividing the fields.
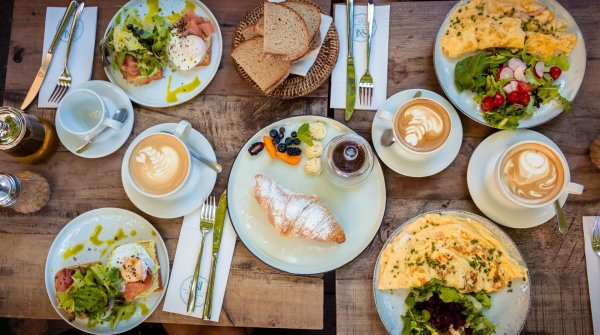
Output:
x=10 y=188
x=12 y=126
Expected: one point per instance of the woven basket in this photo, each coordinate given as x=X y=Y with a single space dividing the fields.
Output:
x=294 y=86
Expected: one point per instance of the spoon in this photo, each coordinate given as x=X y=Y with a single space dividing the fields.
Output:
x=213 y=165
x=387 y=138
x=563 y=228
x=120 y=116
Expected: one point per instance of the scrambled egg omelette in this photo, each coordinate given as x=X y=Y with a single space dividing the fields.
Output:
x=462 y=253
x=514 y=24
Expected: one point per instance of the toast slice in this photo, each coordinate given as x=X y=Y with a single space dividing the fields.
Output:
x=254 y=30
x=309 y=13
x=285 y=32
x=267 y=72
x=63 y=281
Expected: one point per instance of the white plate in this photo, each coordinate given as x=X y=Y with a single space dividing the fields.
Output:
x=111 y=140
x=569 y=82
x=191 y=195
x=405 y=162
x=482 y=186
x=78 y=231
x=154 y=94
x=359 y=210
x=509 y=309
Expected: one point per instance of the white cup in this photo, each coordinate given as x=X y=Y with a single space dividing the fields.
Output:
x=567 y=186
x=83 y=113
x=391 y=119
x=180 y=133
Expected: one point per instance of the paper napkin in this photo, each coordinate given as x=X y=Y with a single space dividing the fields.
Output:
x=379 y=54
x=302 y=66
x=81 y=57
x=593 y=271
x=184 y=264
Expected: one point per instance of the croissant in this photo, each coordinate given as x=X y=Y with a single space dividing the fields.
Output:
x=294 y=214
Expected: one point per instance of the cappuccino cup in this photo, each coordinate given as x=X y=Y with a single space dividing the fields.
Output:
x=82 y=112
x=533 y=174
x=421 y=126
x=160 y=163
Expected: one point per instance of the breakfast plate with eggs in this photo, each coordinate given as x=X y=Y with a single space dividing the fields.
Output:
x=107 y=271
x=510 y=64
x=162 y=52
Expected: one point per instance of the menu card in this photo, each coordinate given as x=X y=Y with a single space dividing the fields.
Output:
x=184 y=264
x=81 y=57
x=379 y=55
x=593 y=271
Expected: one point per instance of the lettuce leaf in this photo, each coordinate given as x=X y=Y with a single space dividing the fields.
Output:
x=471 y=72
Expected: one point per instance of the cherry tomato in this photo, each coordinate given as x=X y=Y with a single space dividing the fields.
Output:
x=555 y=72
x=498 y=100
x=524 y=87
x=524 y=98
x=487 y=104
x=513 y=97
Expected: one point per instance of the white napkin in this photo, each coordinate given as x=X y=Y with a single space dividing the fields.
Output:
x=302 y=66
x=81 y=57
x=379 y=55
x=593 y=271
x=184 y=264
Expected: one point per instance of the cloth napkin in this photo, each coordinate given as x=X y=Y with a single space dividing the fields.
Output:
x=379 y=55
x=81 y=57
x=593 y=271
x=185 y=262
x=302 y=66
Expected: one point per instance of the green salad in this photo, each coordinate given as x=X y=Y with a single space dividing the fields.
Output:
x=508 y=85
x=94 y=289
x=436 y=309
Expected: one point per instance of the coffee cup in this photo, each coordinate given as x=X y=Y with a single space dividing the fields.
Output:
x=533 y=174
x=160 y=163
x=83 y=113
x=420 y=126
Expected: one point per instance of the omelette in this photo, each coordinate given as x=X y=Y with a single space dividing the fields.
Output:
x=460 y=252
x=513 y=24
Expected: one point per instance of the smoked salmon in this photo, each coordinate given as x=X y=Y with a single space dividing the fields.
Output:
x=132 y=290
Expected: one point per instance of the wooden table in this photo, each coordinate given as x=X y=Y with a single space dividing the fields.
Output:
x=560 y=299
x=227 y=113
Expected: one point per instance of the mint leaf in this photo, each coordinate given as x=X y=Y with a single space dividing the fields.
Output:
x=304 y=134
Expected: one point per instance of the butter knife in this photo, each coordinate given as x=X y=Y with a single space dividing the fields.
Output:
x=41 y=74
x=217 y=234
x=350 y=72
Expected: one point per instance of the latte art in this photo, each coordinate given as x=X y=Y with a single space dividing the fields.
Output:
x=422 y=125
x=159 y=164
x=532 y=173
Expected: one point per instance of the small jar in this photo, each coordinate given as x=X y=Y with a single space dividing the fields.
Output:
x=25 y=192
x=348 y=160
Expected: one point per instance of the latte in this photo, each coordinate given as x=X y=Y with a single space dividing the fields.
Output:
x=422 y=125
x=159 y=164
x=532 y=173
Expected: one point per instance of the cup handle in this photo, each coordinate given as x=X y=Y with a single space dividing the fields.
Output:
x=114 y=124
x=386 y=115
x=573 y=188
x=183 y=129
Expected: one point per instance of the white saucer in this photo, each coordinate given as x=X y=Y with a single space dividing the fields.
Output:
x=199 y=185
x=111 y=140
x=407 y=163
x=487 y=197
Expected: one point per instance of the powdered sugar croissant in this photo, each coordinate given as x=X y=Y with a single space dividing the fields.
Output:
x=294 y=214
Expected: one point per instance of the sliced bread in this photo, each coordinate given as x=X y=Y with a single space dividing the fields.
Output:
x=254 y=30
x=267 y=72
x=285 y=32
x=309 y=13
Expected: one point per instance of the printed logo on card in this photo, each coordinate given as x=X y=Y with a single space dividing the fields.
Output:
x=361 y=28
x=186 y=285
x=64 y=37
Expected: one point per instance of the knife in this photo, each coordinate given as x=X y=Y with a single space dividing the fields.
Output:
x=41 y=74
x=217 y=234
x=350 y=73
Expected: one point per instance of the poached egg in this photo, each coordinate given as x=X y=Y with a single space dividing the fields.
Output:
x=133 y=261
x=186 y=52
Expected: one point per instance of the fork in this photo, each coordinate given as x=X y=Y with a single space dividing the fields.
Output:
x=365 y=85
x=64 y=79
x=596 y=236
x=207 y=222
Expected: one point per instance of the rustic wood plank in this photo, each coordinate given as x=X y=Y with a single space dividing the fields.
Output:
x=560 y=300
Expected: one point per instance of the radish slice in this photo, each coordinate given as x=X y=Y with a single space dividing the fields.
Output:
x=505 y=73
x=510 y=87
x=514 y=63
x=518 y=105
x=538 y=70
x=519 y=73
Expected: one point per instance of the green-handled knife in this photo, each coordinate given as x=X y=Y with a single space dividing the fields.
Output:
x=350 y=73
x=217 y=234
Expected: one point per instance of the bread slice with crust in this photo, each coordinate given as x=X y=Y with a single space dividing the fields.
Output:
x=309 y=13
x=266 y=71
x=285 y=32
